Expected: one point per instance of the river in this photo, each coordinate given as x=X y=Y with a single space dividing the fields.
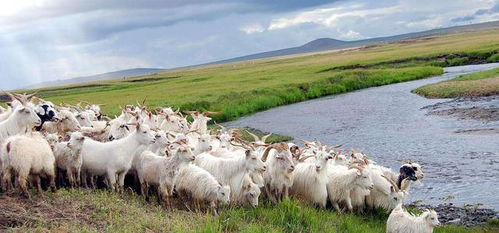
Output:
x=389 y=125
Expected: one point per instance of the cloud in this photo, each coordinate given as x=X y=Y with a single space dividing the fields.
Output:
x=351 y=35
x=57 y=39
x=331 y=16
x=253 y=28
x=486 y=13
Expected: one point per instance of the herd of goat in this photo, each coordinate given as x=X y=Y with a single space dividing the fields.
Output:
x=78 y=146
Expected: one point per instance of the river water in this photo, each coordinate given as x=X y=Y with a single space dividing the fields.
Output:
x=389 y=125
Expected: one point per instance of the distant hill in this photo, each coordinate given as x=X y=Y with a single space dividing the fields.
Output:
x=105 y=76
x=317 y=45
x=324 y=44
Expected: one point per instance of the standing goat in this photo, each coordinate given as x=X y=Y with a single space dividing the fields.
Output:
x=310 y=180
x=278 y=177
x=162 y=171
x=28 y=155
x=231 y=170
x=22 y=119
x=68 y=158
x=343 y=180
x=113 y=159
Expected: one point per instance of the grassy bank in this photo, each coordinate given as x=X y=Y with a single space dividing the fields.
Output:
x=241 y=88
x=103 y=211
x=484 y=83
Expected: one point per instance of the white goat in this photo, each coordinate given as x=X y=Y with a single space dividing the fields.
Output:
x=68 y=157
x=84 y=119
x=232 y=170
x=200 y=185
x=162 y=171
x=67 y=123
x=22 y=119
x=278 y=177
x=28 y=155
x=400 y=221
x=250 y=193
x=310 y=180
x=113 y=159
x=343 y=180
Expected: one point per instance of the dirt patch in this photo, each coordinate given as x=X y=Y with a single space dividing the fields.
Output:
x=17 y=212
x=484 y=109
x=465 y=216
x=416 y=40
x=473 y=113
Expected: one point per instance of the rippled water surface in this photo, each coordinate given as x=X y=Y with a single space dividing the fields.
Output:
x=388 y=124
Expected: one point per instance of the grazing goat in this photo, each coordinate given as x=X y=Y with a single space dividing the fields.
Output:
x=200 y=185
x=113 y=159
x=250 y=193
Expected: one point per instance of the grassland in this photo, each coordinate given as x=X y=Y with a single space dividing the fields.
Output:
x=238 y=89
x=484 y=83
x=104 y=211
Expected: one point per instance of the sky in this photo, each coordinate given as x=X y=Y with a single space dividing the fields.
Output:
x=42 y=40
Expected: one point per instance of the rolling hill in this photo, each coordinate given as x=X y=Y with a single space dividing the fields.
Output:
x=321 y=44
x=105 y=76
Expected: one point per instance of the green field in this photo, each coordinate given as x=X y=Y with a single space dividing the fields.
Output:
x=104 y=211
x=484 y=83
x=238 y=89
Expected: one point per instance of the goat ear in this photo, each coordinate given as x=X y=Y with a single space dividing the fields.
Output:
x=358 y=172
x=137 y=126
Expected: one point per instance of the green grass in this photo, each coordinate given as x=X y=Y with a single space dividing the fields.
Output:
x=242 y=88
x=104 y=211
x=484 y=83
x=271 y=139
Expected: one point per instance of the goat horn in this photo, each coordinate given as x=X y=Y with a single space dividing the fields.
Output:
x=308 y=143
x=29 y=96
x=405 y=184
x=392 y=183
x=256 y=138
x=12 y=97
x=211 y=113
x=85 y=102
x=302 y=159
x=221 y=126
x=264 y=138
x=266 y=153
